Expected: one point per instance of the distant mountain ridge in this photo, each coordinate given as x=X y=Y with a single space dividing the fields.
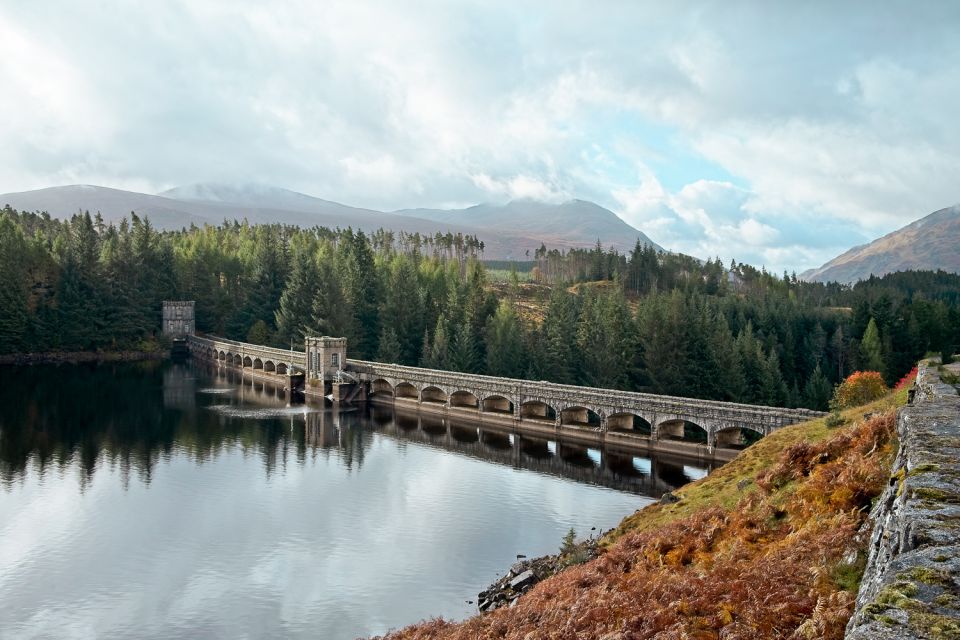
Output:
x=508 y=231
x=580 y=221
x=930 y=243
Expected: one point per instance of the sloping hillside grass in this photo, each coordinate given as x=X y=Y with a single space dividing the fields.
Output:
x=769 y=546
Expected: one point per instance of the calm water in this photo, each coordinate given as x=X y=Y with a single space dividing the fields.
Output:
x=174 y=501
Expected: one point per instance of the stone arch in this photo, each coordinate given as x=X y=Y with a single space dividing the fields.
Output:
x=580 y=416
x=736 y=436
x=537 y=410
x=237 y=360
x=683 y=430
x=630 y=423
x=464 y=399
x=269 y=366
x=221 y=355
x=381 y=387
x=257 y=363
x=496 y=403
x=433 y=394
x=406 y=390
x=282 y=368
x=247 y=361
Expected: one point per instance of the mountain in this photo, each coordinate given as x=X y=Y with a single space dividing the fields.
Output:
x=572 y=223
x=932 y=242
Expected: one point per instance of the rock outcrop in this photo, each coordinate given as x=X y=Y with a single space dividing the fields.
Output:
x=911 y=586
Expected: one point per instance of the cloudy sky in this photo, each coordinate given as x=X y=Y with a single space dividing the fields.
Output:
x=775 y=133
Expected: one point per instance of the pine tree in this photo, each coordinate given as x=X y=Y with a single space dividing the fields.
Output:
x=13 y=296
x=259 y=333
x=296 y=303
x=402 y=308
x=362 y=291
x=439 y=357
x=817 y=392
x=463 y=350
x=388 y=350
x=505 y=348
x=560 y=336
x=330 y=312
x=871 y=348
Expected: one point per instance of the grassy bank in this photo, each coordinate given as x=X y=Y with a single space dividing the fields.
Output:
x=769 y=546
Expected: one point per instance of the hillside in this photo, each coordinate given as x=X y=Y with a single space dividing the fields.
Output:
x=928 y=243
x=508 y=232
x=767 y=546
x=576 y=222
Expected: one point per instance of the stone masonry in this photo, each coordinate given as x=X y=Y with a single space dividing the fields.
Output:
x=911 y=587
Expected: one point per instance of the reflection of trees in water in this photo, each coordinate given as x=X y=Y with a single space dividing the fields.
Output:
x=115 y=414
x=132 y=416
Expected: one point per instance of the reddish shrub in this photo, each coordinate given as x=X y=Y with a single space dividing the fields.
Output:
x=860 y=388
x=906 y=380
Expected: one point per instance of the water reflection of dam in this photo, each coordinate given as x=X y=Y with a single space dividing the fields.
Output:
x=653 y=474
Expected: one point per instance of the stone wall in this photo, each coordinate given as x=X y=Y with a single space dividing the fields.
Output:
x=911 y=587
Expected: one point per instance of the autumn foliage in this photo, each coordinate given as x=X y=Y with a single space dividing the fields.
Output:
x=860 y=388
x=906 y=380
x=772 y=566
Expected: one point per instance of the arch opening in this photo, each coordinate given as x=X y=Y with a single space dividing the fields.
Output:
x=433 y=395
x=536 y=410
x=257 y=363
x=464 y=399
x=269 y=366
x=737 y=437
x=629 y=423
x=579 y=417
x=406 y=390
x=237 y=360
x=381 y=387
x=497 y=404
x=247 y=361
x=282 y=368
x=683 y=431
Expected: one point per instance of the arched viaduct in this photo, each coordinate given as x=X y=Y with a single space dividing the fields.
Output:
x=587 y=413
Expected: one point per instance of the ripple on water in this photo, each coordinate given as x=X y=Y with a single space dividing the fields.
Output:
x=260 y=413
x=216 y=391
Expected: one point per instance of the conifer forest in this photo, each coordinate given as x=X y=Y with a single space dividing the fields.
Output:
x=647 y=321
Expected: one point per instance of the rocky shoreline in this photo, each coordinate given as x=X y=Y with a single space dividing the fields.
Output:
x=526 y=573
x=77 y=357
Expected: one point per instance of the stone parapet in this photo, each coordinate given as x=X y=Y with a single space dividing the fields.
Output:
x=911 y=586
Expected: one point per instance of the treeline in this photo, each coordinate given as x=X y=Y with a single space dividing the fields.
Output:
x=659 y=322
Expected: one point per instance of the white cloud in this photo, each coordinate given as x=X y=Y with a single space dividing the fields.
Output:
x=757 y=117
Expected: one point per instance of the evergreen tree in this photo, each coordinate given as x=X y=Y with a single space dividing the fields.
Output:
x=330 y=312
x=505 y=348
x=439 y=356
x=296 y=302
x=402 y=309
x=259 y=333
x=817 y=392
x=362 y=291
x=560 y=336
x=871 y=348
x=389 y=348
